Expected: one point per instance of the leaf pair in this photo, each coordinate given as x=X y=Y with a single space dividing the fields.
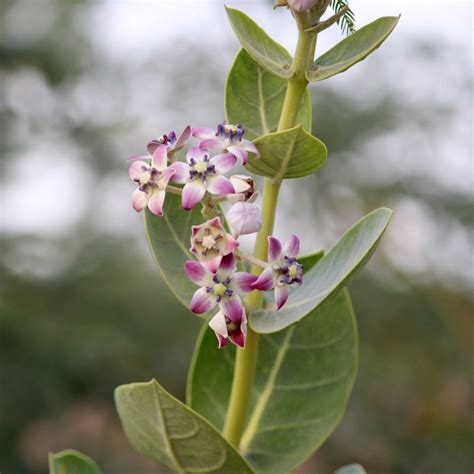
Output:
x=254 y=98
x=303 y=381
x=302 y=384
x=275 y=59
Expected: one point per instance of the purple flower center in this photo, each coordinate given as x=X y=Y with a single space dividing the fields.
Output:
x=220 y=288
x=201 y=168
x=148 y=179
x=169 y=139
x=230 y=133
x=289 y=271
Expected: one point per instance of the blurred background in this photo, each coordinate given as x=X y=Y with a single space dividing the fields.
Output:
x=85 y=84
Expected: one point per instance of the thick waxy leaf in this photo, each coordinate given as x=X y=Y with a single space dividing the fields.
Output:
x=254 y=98
x=310 y=260
x=263 y=49
x=331 y=273
x=292 y=153
x=169 y=241
x=303 y=380
x=72 y=462
x=351 y=469
x=162 y=428
x=353 y=49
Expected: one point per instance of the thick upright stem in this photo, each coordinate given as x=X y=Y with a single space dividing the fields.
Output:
x=246 y=360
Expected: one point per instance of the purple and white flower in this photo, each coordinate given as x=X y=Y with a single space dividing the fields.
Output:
x=226 y=329
x=244 y=218
x=228 y=138
x=210 y=240
x=220 y=287
x=202 y=173
x=152 y=180
x=282 y=271
x=172 y=142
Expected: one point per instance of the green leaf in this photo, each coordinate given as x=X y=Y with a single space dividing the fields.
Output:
x=351 y=469
x=162 y=428
x=352 y=49
x=254 y=98
x=292 y=153
x=310 y=260
x=169 y=241
x=263 y=49
x=72 y=462
x=332 y=272
x=303 y=381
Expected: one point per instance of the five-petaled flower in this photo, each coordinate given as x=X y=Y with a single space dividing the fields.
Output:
x=227 y=138
x=220 y=287
x=152 y=180
x=226 y=329
x=202 y=173
x=172 y=142
x=282 y=270
x=210 y=240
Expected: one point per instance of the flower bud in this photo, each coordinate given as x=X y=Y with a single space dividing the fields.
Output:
x=302 y=5
x=244 y=218
x=244 y=187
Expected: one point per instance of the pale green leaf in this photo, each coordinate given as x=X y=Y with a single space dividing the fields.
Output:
x=332 y=272
x=263 y=49
x=72 y=462
x=352 y=49
x=162 y=428
x=303 y=381
x=292 y=153
x=310 y=260
x=254 y=98
x=351 y=469
x=169 y=242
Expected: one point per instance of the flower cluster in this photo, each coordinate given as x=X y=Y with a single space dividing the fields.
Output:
x=201 y=174
x=202 y=178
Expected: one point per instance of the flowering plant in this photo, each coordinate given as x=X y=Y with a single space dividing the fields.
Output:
x=265 y=402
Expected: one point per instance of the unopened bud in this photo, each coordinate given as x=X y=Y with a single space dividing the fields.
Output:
x=244 y=187
x=244 y=218
x=302 y=5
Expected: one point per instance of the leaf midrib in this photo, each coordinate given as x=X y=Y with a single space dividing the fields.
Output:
x=286 y=159
x=169 y=446
x=252 y=425
x=261 y=100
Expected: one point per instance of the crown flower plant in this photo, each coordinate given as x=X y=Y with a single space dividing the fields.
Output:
x=267 y=401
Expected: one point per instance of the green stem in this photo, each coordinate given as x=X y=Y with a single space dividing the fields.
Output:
x=246 y=359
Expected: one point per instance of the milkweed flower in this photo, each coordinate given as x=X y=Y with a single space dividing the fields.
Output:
x=244 y=218
x=282 y=271
x=152 y=179
x=210 y=240
x=202 y=173
x=172 y=142
x=226 y=329
x=220 y=287
x=227 y=138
